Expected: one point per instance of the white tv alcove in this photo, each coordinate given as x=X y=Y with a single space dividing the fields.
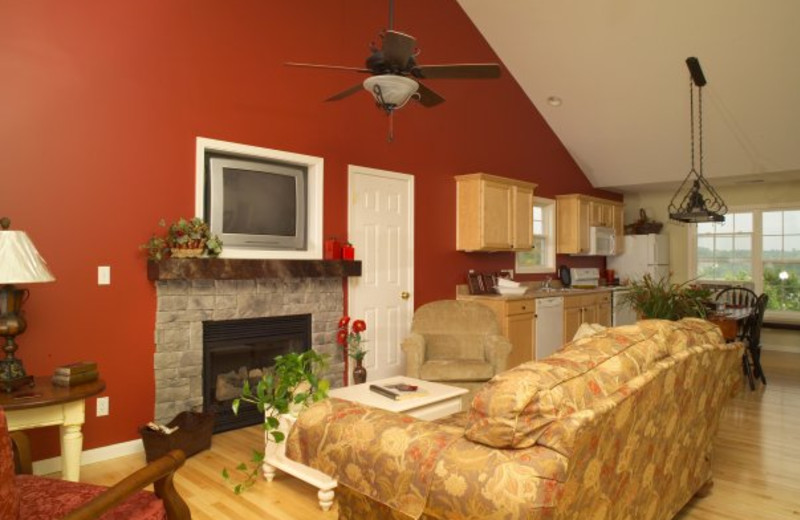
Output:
x=314 y=186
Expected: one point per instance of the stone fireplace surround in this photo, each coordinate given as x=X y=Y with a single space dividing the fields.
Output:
x=192 y=291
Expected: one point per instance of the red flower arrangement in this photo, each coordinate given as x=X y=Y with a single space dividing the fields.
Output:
x=349 y=337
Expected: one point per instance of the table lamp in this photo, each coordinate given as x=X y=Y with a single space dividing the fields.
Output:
x=20 y=262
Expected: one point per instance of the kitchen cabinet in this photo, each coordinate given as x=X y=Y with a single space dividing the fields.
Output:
x=518 y=324
x=619 y=228
x=585 y=308
x=576 y=213
x=493 y=213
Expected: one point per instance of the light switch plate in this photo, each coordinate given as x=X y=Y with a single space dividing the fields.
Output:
x=104 y=275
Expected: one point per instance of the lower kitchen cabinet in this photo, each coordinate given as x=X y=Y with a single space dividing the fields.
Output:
x=518 y=324
x=585 y=308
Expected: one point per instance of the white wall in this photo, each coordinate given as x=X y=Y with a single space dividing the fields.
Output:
x=655 y=204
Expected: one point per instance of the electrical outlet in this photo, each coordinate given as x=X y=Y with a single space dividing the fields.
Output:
x=102 y=406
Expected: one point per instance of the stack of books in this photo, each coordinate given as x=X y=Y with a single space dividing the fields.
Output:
x=75 y=373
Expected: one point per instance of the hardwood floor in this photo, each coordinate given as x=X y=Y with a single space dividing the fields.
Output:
x=756 y=465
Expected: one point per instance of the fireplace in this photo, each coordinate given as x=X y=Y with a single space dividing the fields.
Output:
x=235 y=351
x=193 y=292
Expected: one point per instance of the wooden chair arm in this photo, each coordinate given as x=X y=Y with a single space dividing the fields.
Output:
x=159 y=473
x=22 y=453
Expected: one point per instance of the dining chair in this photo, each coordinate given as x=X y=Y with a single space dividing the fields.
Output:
x=740 y=298
x=737 y=296
x=751 y=360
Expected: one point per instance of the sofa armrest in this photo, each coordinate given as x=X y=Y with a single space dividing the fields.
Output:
x=414 y=347
x=159 y=473
x=496 y=350
x=386 y=456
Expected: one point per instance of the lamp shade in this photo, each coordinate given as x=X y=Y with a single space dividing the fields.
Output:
x=391 y=90
x=20 y=262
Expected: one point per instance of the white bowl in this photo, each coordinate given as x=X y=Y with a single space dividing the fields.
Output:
x=511 y=291
x=504 y=282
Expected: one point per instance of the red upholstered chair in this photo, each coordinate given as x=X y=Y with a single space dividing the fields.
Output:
x=27 y=497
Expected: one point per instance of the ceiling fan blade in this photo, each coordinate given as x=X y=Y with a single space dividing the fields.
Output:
x=397 y=49
x=458 y=71
x=427 y=97
x=334 y=67
x=348 y=92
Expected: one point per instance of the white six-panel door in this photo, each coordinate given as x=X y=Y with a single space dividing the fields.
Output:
x=381 y=227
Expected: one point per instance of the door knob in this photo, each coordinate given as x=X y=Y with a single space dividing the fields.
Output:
x=405 y=295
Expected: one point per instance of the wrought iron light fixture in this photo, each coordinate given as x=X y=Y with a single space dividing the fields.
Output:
x=696 y=200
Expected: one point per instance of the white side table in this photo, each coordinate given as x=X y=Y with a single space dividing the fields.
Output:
x=275 y=459
x=48 y=405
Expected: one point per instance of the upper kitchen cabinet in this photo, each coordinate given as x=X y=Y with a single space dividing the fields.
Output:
x=576 y=214
x=493 y=213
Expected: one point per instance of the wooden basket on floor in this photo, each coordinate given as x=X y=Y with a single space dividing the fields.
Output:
x=192 y=436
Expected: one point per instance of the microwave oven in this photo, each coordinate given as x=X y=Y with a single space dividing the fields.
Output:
x=601 y=241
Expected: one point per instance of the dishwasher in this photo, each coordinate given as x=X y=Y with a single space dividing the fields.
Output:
x=549 y=325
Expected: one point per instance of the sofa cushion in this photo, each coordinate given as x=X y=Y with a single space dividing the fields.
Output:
x=45 y=499
x=452 y=346
x=9 y=494
x=456 y=370
x=513 y=409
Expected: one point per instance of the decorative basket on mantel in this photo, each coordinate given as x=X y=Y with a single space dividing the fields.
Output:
x=185 y=238
x=643 y=226
x=194 y=249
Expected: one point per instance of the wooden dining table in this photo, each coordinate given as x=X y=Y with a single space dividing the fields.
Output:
x=730 y=321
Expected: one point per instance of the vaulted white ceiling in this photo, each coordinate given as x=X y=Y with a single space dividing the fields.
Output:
x=619 y=68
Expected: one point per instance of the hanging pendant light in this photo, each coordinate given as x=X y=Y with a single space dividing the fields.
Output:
x=696 y=200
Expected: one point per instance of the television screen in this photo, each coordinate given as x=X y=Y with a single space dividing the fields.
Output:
x=259 y=203
x=256 y=204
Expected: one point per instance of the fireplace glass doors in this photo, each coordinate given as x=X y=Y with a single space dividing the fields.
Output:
x=243 y=349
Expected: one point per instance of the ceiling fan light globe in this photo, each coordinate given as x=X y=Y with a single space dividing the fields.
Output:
x=391 y=90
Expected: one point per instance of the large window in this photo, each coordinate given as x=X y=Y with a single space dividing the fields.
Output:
x=759 y=248
x=781 y=259
x=542 y=258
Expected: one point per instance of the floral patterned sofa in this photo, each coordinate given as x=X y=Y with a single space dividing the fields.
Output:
x=618 y=425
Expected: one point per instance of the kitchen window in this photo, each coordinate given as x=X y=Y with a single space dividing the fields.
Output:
x=758 y=248
x=542 y=258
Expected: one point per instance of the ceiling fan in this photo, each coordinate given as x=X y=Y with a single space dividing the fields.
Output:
x=395 y=74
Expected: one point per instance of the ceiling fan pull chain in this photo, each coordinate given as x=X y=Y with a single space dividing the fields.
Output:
x=390 y=137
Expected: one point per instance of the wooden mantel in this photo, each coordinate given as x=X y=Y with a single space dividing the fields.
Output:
x=246 y=269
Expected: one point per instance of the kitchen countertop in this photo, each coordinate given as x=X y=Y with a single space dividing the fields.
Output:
x=537 y=292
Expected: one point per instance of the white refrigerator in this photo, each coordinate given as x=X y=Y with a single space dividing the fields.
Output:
x=644 y=254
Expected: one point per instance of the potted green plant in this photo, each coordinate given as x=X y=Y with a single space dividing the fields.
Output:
x=663 y=299
x=185 y=238
x=291 y=385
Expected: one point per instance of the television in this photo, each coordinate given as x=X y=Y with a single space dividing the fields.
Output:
x=256 y=204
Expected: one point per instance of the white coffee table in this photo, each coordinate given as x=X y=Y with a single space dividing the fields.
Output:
x=440 y=401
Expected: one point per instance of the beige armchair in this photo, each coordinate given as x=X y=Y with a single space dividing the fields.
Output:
x=456 y=343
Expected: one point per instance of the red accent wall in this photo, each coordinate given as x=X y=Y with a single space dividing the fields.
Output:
x=101 y=105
